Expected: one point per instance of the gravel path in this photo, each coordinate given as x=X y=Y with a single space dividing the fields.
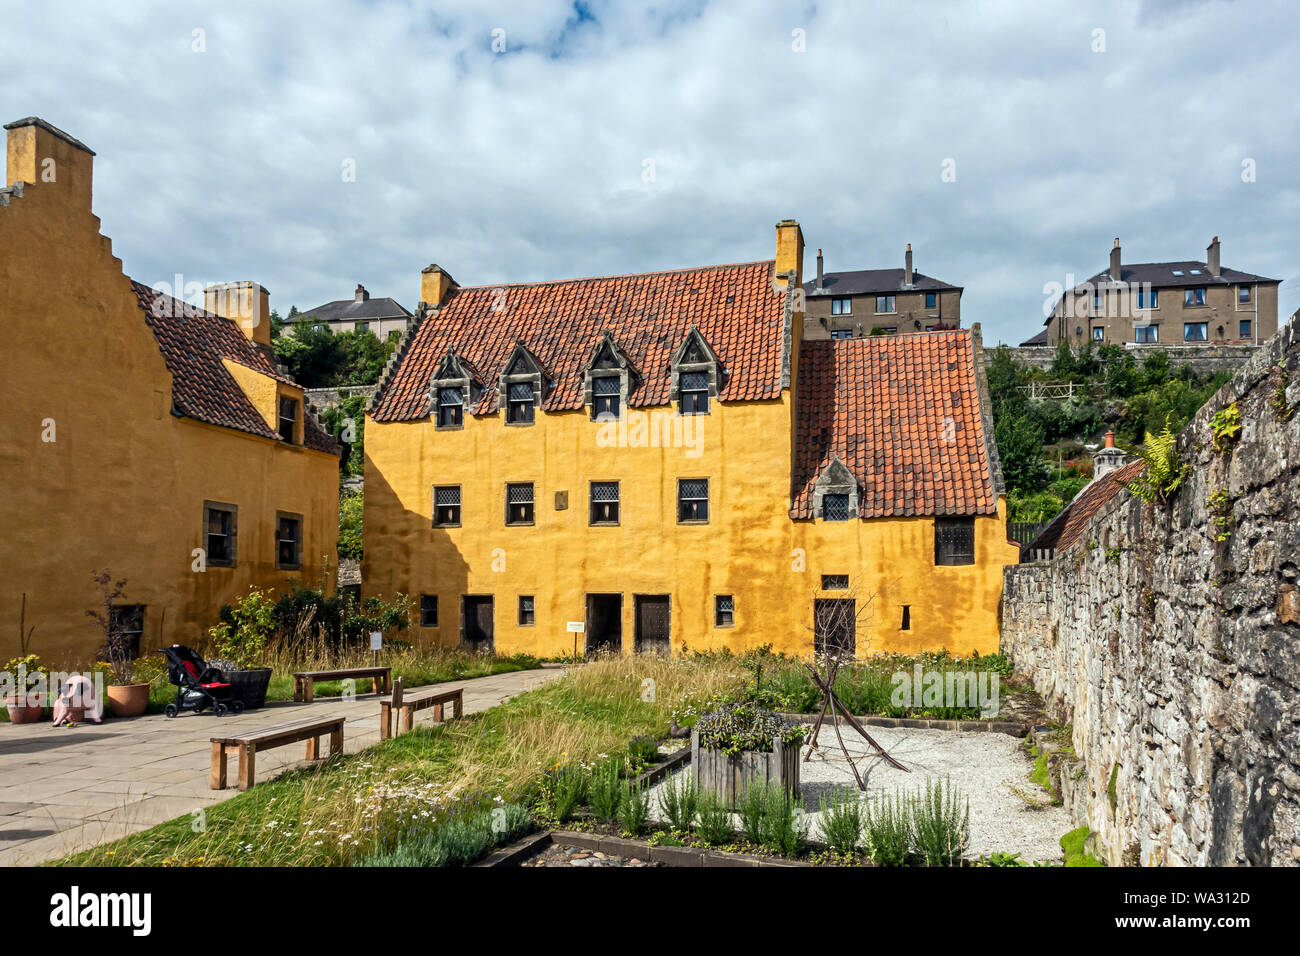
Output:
x=572 y=856
x=1008 y=812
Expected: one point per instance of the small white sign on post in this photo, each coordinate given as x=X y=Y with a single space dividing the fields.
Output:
x=576 y=627
x=376 y=640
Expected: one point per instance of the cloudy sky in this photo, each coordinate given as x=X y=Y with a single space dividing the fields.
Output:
x=313 y=145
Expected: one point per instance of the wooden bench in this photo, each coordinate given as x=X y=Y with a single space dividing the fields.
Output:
x=304 y=681
x=407 y=706
x=247 y=746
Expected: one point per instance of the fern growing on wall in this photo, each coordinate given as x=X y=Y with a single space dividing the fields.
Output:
x=1165 y=470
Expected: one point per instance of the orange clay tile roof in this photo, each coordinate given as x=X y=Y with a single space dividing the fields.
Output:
x=903 y=413
x=734 y=307
x=1069 y=526
x=193 y=342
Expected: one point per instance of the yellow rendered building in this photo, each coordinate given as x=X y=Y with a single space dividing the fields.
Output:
x=658 y=463
x=141 y=435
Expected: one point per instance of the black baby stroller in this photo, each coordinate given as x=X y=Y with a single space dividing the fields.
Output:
x=197 y=685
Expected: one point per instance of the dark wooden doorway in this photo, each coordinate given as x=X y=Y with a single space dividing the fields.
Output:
x=653 y=624
x=604 y=624
x=476 y=624
x=835 y=625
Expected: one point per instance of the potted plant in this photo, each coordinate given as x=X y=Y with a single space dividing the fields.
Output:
x=126 y=697
x=742 y=743
x=239 y=641
x=24 y=705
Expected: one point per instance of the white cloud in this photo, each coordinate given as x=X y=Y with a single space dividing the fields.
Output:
x=528 y=165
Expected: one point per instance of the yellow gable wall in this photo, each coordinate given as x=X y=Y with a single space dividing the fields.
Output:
x=122 y=486
x=748 y=549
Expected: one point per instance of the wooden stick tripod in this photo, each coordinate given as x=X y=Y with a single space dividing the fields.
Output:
x=829 y=700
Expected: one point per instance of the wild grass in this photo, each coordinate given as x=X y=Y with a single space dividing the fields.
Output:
x=338 y=813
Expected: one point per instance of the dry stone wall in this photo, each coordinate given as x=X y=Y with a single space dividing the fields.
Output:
x=1168 y=638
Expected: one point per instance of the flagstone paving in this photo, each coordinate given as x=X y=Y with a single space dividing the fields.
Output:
x=64 y=789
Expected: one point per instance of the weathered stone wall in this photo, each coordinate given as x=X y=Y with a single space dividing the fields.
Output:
x=331 y=397
x=1202 y=358
x=1175 y=657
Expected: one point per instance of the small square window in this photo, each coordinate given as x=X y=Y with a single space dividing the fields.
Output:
x=1147 y=333
x=519 y=503
x=1243 y=293
x=724 y=610
x=841 y=333
x=605 y=397
x=954 y=541
x=428 y=610
x=221 y=524
x=520 y=405
x=931 y=300
x=288 y=541
x=1243 y=329
x=604 y=502
x=1193 y=297
x=451 y=407
x=446 y=506
x=692 y=500
x=288 y=418
x=841 y=306
x=1148 y=299
x=527 y=614
x=1196 y=331
x=835 y=582
x=885 y=304
x=835 y=507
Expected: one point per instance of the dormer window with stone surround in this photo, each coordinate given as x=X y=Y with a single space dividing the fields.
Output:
x=835 y=495
x=695 y=374
x=607 y=380
x=452 y=390
x=522 y=386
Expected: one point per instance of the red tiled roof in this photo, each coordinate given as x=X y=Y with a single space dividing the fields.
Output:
x=903 y=413
x=193 y=342
x=1069 y=526
x=734 y=307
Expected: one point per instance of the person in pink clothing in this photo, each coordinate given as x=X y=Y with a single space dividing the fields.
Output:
x=78 y=693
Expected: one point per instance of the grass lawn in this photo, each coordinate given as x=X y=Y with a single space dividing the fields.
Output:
x=334 y=814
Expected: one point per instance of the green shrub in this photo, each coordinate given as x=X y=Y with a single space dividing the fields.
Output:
x=887 y=830
x=782 y=828
x=940 y=825
x=563 y=791
x=465 y=840
x=643 y=750
x=678 y=800
x=737 y=728
x=634 y=808
x=841 y=821
x=714 y=826
x=605 y=790
x=751 y=804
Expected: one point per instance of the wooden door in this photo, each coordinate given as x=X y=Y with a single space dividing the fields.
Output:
x=477 y=634
x=653 y=624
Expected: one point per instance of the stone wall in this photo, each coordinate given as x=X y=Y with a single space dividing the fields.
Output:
x=1175 y=657
x=331 y=397
x=1202 y=358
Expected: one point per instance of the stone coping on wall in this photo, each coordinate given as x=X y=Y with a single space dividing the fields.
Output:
x=1011 y=727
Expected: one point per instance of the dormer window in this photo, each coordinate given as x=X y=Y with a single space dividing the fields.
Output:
x=452 y=389
x=522 y=385
x=451 y=407
x=696 y=374
x=288 y=418
x=835 y=495
x=608 y=379
x=604 y=398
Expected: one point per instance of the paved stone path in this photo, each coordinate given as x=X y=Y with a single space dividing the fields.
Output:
x=572 y=856
x=65 y=789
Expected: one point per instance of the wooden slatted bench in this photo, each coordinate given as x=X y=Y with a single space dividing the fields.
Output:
x=247 y=746
x=304 y=681
x=407 y=706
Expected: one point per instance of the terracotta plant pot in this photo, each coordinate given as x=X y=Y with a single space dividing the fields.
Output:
x=23 y=713
x=127 y=700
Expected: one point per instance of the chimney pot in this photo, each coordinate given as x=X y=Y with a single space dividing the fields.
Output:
x=1107 y=459
x=1110 y=439
x=361 y=294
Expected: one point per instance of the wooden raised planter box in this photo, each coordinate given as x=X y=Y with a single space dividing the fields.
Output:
x=726 y=776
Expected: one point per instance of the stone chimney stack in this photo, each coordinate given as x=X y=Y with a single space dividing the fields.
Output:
x=907 y=269
x=434 y=285
x=246 y=304
x=361 y=294
x=1108 y=459
x=45 y=156
x=1115 y=272
x=1212 y=256
x=789 y=252
x=819 y=270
